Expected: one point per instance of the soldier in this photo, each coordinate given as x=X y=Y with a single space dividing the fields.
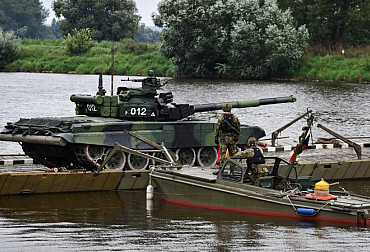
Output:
x=227 y=133
x=255 y=160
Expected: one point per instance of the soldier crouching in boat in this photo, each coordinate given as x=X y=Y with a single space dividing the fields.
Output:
x=255 y=160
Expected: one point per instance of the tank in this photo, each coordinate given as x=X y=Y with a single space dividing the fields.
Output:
x=101 y=121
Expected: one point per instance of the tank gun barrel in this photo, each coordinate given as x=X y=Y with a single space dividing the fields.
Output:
x=244 y=104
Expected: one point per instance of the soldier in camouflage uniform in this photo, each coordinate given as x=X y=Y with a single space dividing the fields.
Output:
x=255 y=160
x=227 y=133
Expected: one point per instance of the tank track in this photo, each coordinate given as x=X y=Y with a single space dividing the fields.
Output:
x=50 y=156
x=32 y=153
x=56 y=156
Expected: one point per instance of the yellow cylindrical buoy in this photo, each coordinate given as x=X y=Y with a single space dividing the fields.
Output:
x=149 y=192
x=321 y=188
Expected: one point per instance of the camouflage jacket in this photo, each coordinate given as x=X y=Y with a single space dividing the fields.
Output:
x=248 y=153
x=235 y=132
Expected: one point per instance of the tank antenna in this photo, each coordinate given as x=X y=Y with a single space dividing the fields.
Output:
x=111 y=70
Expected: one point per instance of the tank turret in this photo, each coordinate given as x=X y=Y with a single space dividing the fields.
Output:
x=146 y=104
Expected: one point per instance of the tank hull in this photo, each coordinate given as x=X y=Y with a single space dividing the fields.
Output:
x=84 y=141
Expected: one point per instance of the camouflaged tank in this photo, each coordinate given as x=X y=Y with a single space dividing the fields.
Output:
x=86 y=139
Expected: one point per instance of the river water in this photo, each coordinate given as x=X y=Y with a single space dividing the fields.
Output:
x=116 y=221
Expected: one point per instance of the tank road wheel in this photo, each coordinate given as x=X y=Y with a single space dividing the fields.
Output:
x=158 y=155
x=207 y=156
x=94 y=152
x=89 y=156
x=137 y=163
x=186 y=156
x=117 y=161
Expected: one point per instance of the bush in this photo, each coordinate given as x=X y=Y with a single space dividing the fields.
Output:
x=9 y=48
x=248 y=39
x=78 y=43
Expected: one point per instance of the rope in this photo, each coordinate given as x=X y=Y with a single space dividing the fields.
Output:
x=291 y=203
x=316 y=211
x=323 y=206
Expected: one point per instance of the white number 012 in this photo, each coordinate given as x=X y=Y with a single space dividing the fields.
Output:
x=138 y=111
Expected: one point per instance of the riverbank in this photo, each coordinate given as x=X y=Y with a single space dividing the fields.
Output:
x=334 y=68
x=132 y=58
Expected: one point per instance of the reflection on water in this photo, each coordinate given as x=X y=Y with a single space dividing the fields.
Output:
x=120 y=220
x=106 y=221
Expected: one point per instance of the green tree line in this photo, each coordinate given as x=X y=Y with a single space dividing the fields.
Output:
x=328 y=22
x=332 y=22
x=107 y=19
x=253 y=39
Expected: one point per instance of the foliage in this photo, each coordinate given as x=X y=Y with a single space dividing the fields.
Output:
x=131 y=58
x=107 y=19
x=145 y=34
x=9 y=48
x=78 y=43
x=25 y=18
x=249 y=39
x=331 y=22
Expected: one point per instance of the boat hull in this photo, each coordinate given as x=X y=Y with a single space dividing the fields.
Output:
x=248 y=199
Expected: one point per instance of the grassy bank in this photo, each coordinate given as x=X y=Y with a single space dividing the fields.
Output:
x=336 y=69
x=337 y=64
x=130 y=58
x=133 y=58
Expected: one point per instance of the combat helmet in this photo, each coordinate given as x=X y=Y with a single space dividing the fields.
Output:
x=252 y=141
x=226 y=107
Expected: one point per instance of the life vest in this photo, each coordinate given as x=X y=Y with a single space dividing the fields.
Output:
x=228 y=124
x=258 y=157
